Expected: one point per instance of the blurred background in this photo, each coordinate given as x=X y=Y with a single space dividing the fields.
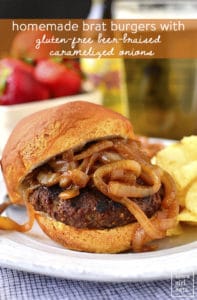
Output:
x=159 y=96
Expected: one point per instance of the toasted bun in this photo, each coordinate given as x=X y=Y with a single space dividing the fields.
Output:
x=113 y=240
x=47 y=133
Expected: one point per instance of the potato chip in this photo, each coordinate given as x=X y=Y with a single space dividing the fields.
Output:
x=191 y=198
x=181 y=197
x=185 y=174
x=188 y=217
x=180 y=160
x=190 y=146
x=175 y=231
x=171 y=156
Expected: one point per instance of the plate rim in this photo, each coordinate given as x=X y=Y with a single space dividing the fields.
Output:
x=78 y=268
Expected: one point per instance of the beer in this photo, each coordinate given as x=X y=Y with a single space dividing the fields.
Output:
x=162 y=96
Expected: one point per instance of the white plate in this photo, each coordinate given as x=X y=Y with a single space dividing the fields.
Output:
x=35 y=252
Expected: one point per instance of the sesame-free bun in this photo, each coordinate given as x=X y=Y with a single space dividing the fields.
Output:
x=46 y=133
x=114 y=240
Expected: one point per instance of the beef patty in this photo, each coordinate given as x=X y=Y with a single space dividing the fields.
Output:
x=91 y=209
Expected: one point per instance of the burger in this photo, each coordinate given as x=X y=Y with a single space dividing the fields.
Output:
x=86 y=179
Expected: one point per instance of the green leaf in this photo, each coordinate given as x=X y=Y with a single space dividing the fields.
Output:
x=29 y=61
x=57 y=59
x=4 y=73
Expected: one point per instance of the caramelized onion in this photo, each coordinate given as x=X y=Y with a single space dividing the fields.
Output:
x=162 y=221
x=170 y=189
x=125 y=190
x=102 y=145
x=165 y=224
x=68 y=155
x=8 y=224
x=65 y=180
x=79 y=178
x=59 y=165
x=4 y=205
x=90 y=162
x=138 y=238
x=142 y=219
x=130 y=150
x=173 y=209
x=48 y=178
x=75 y=176
x=123 y=176
x=107 y=169
x=117 y=174
x=109 y=156
x=150 y=148
x=84 y=164
x=68 y=194
x=137 y=191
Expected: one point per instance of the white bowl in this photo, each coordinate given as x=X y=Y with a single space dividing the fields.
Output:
x=11 y=114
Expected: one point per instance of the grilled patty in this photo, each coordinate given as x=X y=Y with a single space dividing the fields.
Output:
x=91 y=209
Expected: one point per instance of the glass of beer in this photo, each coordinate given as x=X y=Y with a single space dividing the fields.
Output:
x=162 y=96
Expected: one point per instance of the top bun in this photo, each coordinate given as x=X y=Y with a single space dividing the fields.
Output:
x=49 y=132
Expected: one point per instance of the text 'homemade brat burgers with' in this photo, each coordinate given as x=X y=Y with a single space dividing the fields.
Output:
x=85 y=178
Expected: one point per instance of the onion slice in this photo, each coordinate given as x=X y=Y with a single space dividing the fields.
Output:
x=4 y=205
x=125 y=190
x=137 y=191
x=170 y=189
x=109 y=156
x=105 y=170
x=8 y=224
x=79 y=178
x=68 y=194
x=102 y=145
x=91 y=161
x=142 y=219
x=130 y=150
x=48 y=178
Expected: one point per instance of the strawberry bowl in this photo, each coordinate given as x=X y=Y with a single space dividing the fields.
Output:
x=26 y=88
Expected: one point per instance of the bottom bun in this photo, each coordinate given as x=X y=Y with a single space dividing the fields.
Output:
x=113 y=240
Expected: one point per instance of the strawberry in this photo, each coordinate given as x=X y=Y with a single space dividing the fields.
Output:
x=13 y=63
x=61 y=80
x=72 y=64
x=17 y=84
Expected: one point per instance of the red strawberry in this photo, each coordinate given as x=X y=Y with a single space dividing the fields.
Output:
x=19 y=86
x=60 y=80
x=13 y=64
x=72 y=64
